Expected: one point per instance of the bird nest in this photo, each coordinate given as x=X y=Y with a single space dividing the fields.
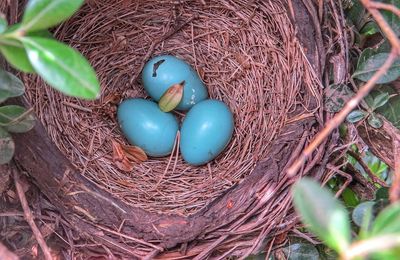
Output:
x=262 y=58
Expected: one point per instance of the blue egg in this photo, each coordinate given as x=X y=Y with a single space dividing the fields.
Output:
x=206 y=131
x=162 y=72
x=146 y=126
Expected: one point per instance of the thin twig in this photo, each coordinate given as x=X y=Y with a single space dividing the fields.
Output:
x=364 y=90
x=29 y=217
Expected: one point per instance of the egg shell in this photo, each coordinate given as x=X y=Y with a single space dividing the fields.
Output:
x=146 y=126
x=206 y=131
x=162 y=72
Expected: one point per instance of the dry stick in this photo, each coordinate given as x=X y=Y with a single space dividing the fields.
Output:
x=394 y=194
x=29 y=217
x=7 y=254
x=364 y=90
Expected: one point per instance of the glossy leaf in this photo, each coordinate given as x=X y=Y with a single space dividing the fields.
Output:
x=392 y=19
x=43 y=14
x=172 y=97
x=7 y=146
x=62 y=67
x=350 y=198
x=368 y=66
x=3 y=23
x=375 y=121
x=388 y=221
x=14 y=119
x=382 y=193
x=336 y=96
x=380 y=100
x=322 y=213
x=359 y=213
x=356 y=116
x=10 y=86
x=391 y=110
x=301 y=251
x=370 y=28
x=16 y=55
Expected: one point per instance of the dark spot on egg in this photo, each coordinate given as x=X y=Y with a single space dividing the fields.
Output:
x=155 y=67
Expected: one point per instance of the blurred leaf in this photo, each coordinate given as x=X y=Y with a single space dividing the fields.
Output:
x=392 y=19
x=356 y=13
x=350 y=198
x=359 y=213
x=368 y=66
x=375 y=121
x=380 y=100
x=3 y=23
x=378 y=167
x=14 y=119
x=16 y=55
x=10 y=86
x=171 y=97
x=370 y=28
x=388 y=221
x=384 y=46
x=356 y=116
x=323 y=214
x=386 y=255
x=336 y=95
x=43 y=14
x=301 y=251
x=382 y=193
x=62 y=67
x=7 y=146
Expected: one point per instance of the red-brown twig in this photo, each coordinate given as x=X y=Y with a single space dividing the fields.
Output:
x=29 y=217
x=7 y=254
x=394 y=194
x=364 y=90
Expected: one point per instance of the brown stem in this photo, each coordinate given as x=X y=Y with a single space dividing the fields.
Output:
x=394 y=194
x=29 y=217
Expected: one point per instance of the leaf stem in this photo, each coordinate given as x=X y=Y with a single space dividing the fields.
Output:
x=365 y=247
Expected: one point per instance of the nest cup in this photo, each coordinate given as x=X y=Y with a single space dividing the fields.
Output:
x=248 y=55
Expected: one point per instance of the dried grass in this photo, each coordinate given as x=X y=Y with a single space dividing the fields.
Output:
x=247 y=56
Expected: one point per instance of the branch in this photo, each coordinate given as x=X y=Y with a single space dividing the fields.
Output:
x=364 y=90
x=29 y=217
x=395 y=189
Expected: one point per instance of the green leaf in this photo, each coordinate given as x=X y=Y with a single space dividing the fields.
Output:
x=336 y=95
x=171 y=97
x=16 y=55
x=392 y=19
x=359 y=213
x=43 y=14
x=388 y=221
x=382 y=193
x=356 y=13
x=375 y=121
x=356 y=116
x=368 y=66
x=370 y=28
x=3 y=23
x=322 y=213
x=7 y=147
x=301 y=251
x=62 y=67
x=380 y=100
x=350 y=198
x=10 y=86
x=16 y=119
x=391 y=110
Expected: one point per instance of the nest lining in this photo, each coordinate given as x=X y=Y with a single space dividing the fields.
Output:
x=247 y=56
